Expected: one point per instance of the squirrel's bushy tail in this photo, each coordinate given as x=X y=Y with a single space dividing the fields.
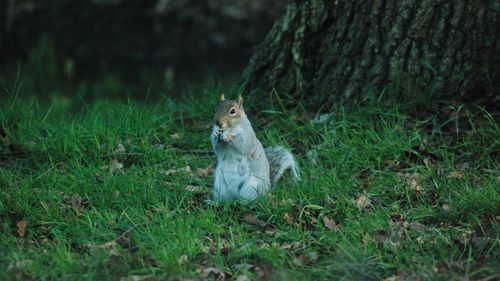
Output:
x=281 y=159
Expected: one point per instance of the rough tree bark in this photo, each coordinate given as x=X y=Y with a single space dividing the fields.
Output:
x=331 y=49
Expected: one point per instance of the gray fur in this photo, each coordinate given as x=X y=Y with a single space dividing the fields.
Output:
x=281 y=159
x=240 y=159
x=244 y=169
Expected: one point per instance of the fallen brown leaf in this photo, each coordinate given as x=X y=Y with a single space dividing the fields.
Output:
x=416 y=226
x=321 y=118
x=169 y=172
x=107 y=245
x=262 y=273
x=456 y=175
x=120 y=149
x=288 y=218
x=435 y=268
x=414 y=185
x=412 y=180
x=420 y=240
x=182 y=259
x=243 y=266
x=391 y=162
x=75 y=200
x=206 y=171
x=394 y=245
x=21 y=227
x=466 y=235
x=329 y=223
x=408 y=176
x=20 y=265
x=292 y=246
x=396 y=219
x=297 y=262
x=270 y=197
x=313 y=256
x=194 y=188
x=213 y=271
x=115 y=165
x=363 y=202
x=251 y=219
x=110 y=247
x=391 y=278
x=243 y=278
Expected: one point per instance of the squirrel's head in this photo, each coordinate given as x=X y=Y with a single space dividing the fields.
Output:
x=228 y=112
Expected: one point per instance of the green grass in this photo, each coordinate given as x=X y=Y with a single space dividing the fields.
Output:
x=90 y=220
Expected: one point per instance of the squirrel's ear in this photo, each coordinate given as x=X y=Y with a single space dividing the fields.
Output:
x=222 y=97
x=240 y=101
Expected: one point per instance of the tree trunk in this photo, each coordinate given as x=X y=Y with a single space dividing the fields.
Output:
x=328 y=50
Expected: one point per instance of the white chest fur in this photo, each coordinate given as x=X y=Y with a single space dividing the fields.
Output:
x=231 y=174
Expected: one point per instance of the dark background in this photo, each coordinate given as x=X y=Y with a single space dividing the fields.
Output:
x=65 y=42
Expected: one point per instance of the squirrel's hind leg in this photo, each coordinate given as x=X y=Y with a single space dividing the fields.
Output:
x=252 y=188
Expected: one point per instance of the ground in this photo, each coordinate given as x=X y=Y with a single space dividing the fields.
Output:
x=117 y=191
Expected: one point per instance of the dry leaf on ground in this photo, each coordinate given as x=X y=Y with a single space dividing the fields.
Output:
x=414 y=185
x=20 y=265
x=321 y=118
x=205 y=172
x=313 y=256
x=243 y=278
x=75 y=200
x=115 y=165
x=21 y=227
x=169 y=172
x=408 y=176
x=194 y=188
x=456 y=175
x=120 y=148
x=288 y=218
x=415 y=226
x=362 y=202
x=329 y=223
x=213 y=271
x=182 y=259
x=110 y=247
x=392 y=162
x=293 y=246
x=243 y=266
x=412 y=180
x=107 y=245
x=445 y=207
x=251 y=219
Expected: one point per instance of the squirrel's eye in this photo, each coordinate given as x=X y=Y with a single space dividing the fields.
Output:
x=233 y=111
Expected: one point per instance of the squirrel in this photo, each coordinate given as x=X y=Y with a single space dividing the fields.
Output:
x=245 y=169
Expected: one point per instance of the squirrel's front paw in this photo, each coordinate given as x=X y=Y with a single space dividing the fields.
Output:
x=226 y=136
